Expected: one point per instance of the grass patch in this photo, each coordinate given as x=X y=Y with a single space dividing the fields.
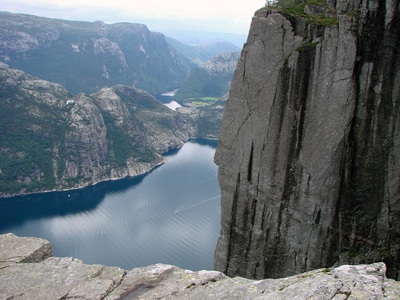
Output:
x=296 y=8
x=353 y=13
x=352 y=254
x=321 y=19
x=385 y=253
x=200 y=103
x=326 y=271
x=209 y=99
x=291 y=7
x=191 y=285
x=307 y=46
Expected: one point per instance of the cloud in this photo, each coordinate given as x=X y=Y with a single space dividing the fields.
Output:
x=222 y=15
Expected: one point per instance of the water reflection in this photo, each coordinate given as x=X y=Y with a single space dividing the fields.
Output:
x=170 y=215
x=16 y=210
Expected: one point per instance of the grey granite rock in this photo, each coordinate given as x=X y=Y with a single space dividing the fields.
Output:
x=308 y=152
x=69 y=278
x=58 y=278
x=14 y=249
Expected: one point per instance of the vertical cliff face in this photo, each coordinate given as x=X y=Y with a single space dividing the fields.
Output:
x=309 y=148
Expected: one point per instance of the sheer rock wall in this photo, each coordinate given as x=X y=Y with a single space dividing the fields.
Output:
x=309 y=147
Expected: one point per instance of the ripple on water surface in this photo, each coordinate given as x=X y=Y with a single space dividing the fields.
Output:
x=171 y=215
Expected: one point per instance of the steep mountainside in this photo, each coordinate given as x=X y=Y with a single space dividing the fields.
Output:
x=51 y=140
x=200 y=54
x=192 y=37
x=309 y=148
x=85 y=56
x=213 y=80
x=204 y=121
x=204 y=93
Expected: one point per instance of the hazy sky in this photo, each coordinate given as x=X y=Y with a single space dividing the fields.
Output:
x=205 y=15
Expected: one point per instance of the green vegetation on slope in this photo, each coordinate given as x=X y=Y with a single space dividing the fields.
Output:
x=213 y=80
x=85 y=56
x=200 y=84
x=49 y=140
x=28 y=133
x=209 y=120
x=297 y=7
x=199 y=54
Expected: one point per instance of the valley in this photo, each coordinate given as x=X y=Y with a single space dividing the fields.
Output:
x=108 y=149
x=74 y=115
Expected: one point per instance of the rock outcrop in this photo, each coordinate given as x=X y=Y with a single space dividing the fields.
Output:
x=51 y=140
x=309 y=147
x=14 y=249
x=223 y=64
x=67 y=278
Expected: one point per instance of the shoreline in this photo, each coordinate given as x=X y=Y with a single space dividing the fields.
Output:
x=107 y=179
x=84 y=185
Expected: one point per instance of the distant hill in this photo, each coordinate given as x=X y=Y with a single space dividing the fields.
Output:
x=204 y=93
x=85 y=56
x=199 y=54
x=51 y=140
x=203 y=37
x=213 y=80
x=81 y=118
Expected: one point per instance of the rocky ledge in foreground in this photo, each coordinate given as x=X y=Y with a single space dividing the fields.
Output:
x=28 y=272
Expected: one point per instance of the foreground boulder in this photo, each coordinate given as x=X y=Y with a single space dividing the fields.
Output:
x=14 y=249
x=65 y=278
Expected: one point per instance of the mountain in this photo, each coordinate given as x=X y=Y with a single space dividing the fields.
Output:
x=199 y=54
x=212 y=80
x=309 y=147
x=193 y=37
x=203 y=117
x=204 y=93
x=51 y=140
x=85 y=56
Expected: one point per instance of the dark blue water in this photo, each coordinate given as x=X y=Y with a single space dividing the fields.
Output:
x=170 y=215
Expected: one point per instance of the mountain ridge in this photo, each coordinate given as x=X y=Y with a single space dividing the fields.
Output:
x=51 y=140
x=85 y=56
